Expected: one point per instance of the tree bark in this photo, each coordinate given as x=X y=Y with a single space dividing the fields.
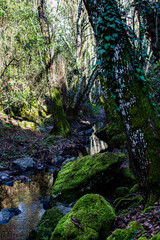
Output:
x=131 y=91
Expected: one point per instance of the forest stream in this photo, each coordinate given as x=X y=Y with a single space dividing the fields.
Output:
x=28 y=196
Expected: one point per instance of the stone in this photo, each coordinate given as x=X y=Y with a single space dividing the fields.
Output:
x=91 y=174
x=90 y=218
x=24 y=164
x=7 y=213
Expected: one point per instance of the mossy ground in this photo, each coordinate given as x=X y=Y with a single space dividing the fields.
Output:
x=89 y=174
x=90 y=218
x=124 y=204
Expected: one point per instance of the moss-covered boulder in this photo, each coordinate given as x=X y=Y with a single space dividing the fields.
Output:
x=27 y=125
x=124 y=204
x=46 y=225
x=128 y=233
x=98 y=173
x=90 y=218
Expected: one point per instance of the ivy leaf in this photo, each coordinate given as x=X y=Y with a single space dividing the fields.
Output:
x=101 y=51
x=138 y=70
x=143 y=78
x=99 y=62
x=108 y=38
x=113 y=25
x=115 y=35
x=106 y=46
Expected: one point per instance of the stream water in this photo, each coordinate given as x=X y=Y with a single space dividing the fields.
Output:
x=27 y=197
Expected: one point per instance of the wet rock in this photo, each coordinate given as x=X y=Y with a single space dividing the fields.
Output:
x=23 y=164
x=5 y=178
x=63 y=208
x=89 y=132
x=7 y=213
x=58 y=160
x=46 y=204
x=69 y=160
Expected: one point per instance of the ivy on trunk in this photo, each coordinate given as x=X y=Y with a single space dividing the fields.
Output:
x=125 y=79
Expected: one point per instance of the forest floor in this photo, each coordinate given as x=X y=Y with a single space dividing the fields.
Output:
x=17 y=143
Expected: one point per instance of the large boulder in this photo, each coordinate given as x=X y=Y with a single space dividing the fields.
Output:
x=90 y=218
x=99 y=173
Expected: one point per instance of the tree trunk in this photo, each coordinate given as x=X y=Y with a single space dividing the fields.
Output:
x=131 y=91
x=61 y=125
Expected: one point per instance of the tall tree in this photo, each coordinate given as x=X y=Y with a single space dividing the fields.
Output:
x=125 y=78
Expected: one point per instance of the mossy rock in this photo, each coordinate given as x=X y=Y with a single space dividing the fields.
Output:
x=121 y=192
x=46 y=225
x=142 y=238
x=113 y=135
x=28 y=125
x=124 y=204
x=90 y=218
x=128 y=233
x=156 y=237
x=97 y=173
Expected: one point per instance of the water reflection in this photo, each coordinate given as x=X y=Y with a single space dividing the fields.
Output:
x=26 y=196
x=97 y=145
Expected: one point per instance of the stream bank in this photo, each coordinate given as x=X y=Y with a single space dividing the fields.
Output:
x=34 y=174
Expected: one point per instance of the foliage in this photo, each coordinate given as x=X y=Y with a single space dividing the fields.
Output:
x=22 y=53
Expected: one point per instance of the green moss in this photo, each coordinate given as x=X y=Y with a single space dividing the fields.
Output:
x=156 y=237
x=113 y=135
x=96 y=173
x=143 y=115
x=90 y=218
x=142 y=238
x=121 y=192
x=148 y=209
x=127 y=177
x=134 y=189
x=127 y=233
x=124 y=204
x=46 y=225
x=28 y=125
x=61 y=125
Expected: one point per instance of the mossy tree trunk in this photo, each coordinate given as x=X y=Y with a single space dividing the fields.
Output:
x=131 y=91
x=61 y=125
